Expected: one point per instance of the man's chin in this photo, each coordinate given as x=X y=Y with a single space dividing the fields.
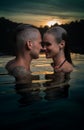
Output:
x=36 y=57
x=47 y=56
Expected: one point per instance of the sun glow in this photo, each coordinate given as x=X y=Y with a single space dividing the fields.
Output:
x=52 y=22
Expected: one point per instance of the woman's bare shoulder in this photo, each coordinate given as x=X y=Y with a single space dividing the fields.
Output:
x=68 y=67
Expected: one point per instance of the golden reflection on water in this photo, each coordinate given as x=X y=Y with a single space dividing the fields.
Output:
x=42 y=65
x=40 y=81
x=42 y=72
x=77 y=56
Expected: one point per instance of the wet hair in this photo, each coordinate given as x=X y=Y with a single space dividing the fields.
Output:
x=22 y=33
x=60 y=34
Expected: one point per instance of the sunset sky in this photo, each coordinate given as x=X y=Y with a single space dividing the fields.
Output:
x=42 y=12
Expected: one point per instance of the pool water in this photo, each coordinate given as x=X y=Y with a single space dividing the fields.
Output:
x=42 y=104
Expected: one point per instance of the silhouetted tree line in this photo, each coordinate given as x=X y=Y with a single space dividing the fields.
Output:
x=75 y=33
x=6 y=29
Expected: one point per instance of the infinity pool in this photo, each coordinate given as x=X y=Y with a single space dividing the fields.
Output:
x=42 y=105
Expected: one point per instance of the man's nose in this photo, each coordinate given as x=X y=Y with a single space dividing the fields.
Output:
x=41 y=47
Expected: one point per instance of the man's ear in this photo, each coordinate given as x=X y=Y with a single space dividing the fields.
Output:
x=29 y=45
x=62 y=44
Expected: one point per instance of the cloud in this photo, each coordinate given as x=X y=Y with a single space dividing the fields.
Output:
x=62 y=9
x=42 y=6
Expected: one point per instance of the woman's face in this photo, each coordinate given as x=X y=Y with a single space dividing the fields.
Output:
x=51 y=47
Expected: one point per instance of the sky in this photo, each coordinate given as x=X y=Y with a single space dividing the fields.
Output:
x=42 y=12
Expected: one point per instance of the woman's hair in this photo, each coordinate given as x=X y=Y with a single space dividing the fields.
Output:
x=60 y=34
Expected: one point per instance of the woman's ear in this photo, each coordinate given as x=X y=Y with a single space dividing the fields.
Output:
x=29 y=45
x=62 y=44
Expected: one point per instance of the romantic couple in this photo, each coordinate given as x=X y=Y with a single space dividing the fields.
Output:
x=28 y=45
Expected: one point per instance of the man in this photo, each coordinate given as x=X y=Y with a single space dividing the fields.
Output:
x=28 y=46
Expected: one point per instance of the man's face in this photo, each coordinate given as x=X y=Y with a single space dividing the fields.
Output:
x=36 y=47
x=50 y=46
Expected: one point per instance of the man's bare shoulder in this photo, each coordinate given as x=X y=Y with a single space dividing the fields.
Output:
x=9 y=65
x=19 y=72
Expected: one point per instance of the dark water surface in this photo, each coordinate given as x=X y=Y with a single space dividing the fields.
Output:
x=43 y=104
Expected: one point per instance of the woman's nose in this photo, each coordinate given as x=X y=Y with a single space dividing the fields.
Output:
x=44 y=48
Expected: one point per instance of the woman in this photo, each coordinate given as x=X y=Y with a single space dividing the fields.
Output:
x=56 y=47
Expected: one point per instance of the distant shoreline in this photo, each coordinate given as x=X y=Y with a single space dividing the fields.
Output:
x=9 y=54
